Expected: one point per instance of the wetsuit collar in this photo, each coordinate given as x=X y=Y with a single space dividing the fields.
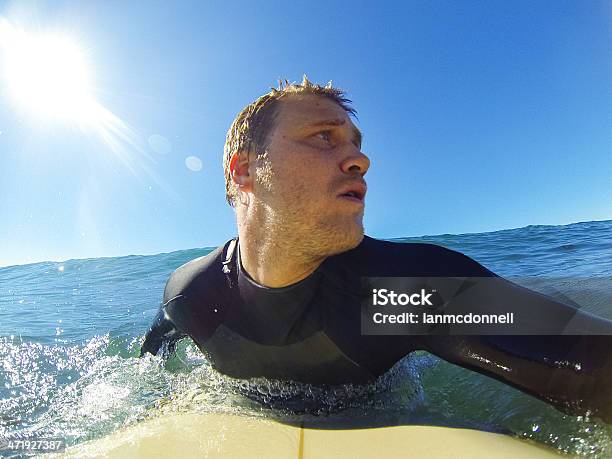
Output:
x=242 y=273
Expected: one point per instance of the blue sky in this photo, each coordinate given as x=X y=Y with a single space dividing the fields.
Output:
x=477 y=116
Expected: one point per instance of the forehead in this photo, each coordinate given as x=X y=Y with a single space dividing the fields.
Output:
x=299 y=111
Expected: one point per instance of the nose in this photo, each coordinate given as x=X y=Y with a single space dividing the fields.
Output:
x=356 y=163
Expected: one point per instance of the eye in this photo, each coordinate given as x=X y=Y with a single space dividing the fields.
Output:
x=324 y=135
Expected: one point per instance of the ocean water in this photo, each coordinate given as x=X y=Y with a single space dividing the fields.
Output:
x=70 y=334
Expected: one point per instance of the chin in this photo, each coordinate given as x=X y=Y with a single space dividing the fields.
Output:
x=356 y=236
x=333 y=235
x=346 y=238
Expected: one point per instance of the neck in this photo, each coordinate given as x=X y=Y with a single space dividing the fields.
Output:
x=274 y=256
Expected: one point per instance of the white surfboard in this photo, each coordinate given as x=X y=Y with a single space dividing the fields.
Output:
x=213 y=435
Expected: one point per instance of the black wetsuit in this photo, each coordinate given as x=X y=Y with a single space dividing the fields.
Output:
x=311 y=331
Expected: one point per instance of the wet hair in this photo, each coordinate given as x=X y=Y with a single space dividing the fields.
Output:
x=250 y=129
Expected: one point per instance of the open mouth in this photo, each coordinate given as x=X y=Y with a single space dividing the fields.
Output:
x=353 y=194
x=356 y=194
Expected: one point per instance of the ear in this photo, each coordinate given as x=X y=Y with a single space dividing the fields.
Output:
x=239 y=171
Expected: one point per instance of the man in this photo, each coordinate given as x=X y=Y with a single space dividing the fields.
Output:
x=281 y=301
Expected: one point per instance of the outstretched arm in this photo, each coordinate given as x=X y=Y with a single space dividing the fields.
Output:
x=574 y=373
x=570 y=371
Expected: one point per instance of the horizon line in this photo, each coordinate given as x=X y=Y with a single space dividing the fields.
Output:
x=2 y=266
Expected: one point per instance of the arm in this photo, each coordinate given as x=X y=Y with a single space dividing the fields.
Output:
x=162 y=332
x=571 y=371
x=178 y=317
x=574 y=373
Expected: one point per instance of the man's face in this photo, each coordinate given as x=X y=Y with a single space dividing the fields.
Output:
x=311 y=180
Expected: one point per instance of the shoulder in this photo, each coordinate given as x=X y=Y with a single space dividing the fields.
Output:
x=196 y=293
x=378 y=257
x=192 y=278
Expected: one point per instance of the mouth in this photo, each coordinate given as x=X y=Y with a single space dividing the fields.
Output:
x=355 y=193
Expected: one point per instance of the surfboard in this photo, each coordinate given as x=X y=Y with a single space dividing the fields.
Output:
x=215 y=435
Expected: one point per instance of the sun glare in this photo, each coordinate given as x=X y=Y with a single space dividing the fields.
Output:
x=47 y=75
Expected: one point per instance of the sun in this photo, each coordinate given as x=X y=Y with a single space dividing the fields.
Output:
x=47 y=74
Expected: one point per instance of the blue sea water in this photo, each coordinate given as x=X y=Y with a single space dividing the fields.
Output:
x=70 y=334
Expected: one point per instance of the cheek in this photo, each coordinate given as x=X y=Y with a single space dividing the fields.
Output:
x=298 y=173
x=264 y=175
x=308 y=180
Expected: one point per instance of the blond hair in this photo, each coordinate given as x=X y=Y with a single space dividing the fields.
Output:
x=250 y=129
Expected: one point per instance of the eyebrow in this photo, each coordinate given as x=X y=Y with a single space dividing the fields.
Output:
x=358 y=136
